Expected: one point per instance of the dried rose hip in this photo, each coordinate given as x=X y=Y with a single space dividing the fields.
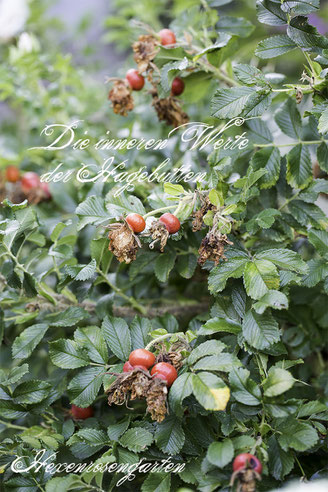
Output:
x=247 y=460
x=136 y=222
x=136 y=81
x=171 y=222
x=12 y=174
x=167 y=37
x=81 y=413
x=165 y=371
x=177 y=86
x=30 y=181
x=142 y=357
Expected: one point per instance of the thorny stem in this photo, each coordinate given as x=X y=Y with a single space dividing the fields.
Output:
x=133 y=302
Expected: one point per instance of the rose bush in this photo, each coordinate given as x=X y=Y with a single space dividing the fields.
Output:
x=228 y=292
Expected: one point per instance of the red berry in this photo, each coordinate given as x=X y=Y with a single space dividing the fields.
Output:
x=167 y=37
x=127 y=367
x=142 y=357
x=144 y=368
x=12 y=174
x=81 y=413
x=177 y=86
x=135 y=80
x=30 y=181
x=45 y=188
x=171 y=222
x=165 y=371
x=136 y=222
x=247 y=460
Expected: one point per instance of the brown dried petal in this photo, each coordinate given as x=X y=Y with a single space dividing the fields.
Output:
x=197 y=223
x=212 y=247
x=174 y=358
x=123 y=244
x=157 y=400
x=121 y=98
x=159 y=233
x=145 y=50
x=170 y=111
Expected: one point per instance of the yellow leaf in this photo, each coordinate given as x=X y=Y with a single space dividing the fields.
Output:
x=221 y=397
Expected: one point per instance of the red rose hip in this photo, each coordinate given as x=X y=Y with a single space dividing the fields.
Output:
x=30 y=181
x=167 y=37
x=177 y=87
x=136 y=81
x=247 y=460
x=46 y=191
x=171 y=222
x=127 y=367
x=136 y=222
x=165 y=371
x=142 y=357
x=12 y=174
x=81 y=413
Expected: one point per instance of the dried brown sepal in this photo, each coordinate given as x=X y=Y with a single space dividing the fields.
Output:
x=174 y=358
x=121 y=98
x=145 y=50
x=157 y=400
x=169 y=110
x=35 y=196
x=212 y=247
x=160 y=234
x=197 y=222
x=246 y=480
x=123 y=243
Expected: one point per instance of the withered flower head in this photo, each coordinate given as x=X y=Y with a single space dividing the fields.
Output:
x=246 y=480
x=160 y=234
x=174 y=358
x=123 y=243
x=121 y=98
x=197 y=222
x=157 y=400
x=145 y=50
x=169 y=110
x=212 y=247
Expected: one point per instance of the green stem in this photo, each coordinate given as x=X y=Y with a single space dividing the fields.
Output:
x=289 y=200
x=159 y=339
x=12 y=426
x=159 y=210
x=300 y=466
x=307 y=142
x=135 y=304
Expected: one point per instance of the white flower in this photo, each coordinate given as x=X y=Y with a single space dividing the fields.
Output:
x=13 y=16
x=27 y=43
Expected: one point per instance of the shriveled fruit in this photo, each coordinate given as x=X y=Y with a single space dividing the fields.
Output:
x=142 y=357
x=81 y=413
x=177 y=86
x=165 y=371
x=30 y=181
x=167 y=37
x=247 y=460
x=136 y=222
x=12 y=174
x=171 y=222
x=136 y=81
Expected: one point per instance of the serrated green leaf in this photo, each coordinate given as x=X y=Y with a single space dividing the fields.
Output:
x=260 y=331
x=260 y=276
x=210 y=391
x=67 y=354
x=299 y=167
x=278 y=381
x=84 y=387
x=93 y=342
x=163 y=265
x=24 y=345
x=220 y=453
x=274 y=46
x=117 y=335
x=169 y=436
x=136 y=439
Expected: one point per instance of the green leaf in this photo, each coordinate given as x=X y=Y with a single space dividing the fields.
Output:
x=323 y=122
x=67 y=354
x=244 y=389
x=269 y=159
x=117 y=335
x=186 y=265
x=274 y=46
x=123 y=204
x=136 y=439
x=31 y=392
x=220 y=453
x=260 y=330
x=168 y=72
x=296 y=435
x=288 y=119
x=84 y=387
x=305 y=35
x=93 y=342
x=14 y=375
x=69 y=317
x=157 y=482
x=181 y=388
x=308 y=214
x=24 y=345
x=82 y=272
x=211 y=347
x=210 y=391
x=249 y=75
x=284 y=258
x=169 y=435
x=237 y=26
x=100 y=253
x=301 y=6
x=270 y=12
x=224 y=362
x=114 y=431
x=280 y=463
x=173 y=189
x=163 y=265
x=278 y=381
x=217 y=325
x=322 y=153
x=228 y=103
x=318 y=271
x=319 y=239
x=139 y=330
x=260 y=276
x=299 y=167
x=233 y=268
x=92 y=211
x=273 y=299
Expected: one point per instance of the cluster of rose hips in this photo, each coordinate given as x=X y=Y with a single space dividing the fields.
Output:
x=138 y=224
x=29 y=182
x=144 y=359
x=137 y=81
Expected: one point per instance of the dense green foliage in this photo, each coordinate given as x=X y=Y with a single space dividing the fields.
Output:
x=253 y=326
